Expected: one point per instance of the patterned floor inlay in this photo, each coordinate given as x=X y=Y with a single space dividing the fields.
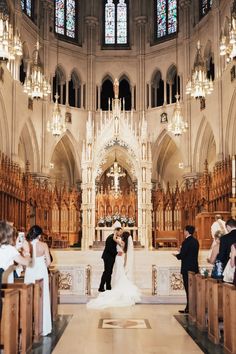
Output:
x=123 y=323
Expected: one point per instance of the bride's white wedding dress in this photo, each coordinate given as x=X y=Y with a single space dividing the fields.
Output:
x=124 y=292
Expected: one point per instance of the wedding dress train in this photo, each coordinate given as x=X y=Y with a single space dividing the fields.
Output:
x=123 y=293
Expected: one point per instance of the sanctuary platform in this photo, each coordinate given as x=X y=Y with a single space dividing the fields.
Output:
x=156 y=273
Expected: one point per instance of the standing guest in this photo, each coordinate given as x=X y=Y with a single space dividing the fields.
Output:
x=8 y=255
x=189 y=258
x=227 y=241
x=218 y=225
x=233 y=261
x=8 y=252
x=217 y=270
x=39 y=270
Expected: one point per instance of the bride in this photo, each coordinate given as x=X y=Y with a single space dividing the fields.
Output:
x=123 y=292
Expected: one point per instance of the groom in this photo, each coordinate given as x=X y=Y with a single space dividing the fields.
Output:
x=108 y=256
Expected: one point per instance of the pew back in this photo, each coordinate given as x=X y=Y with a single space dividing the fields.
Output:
x=201 y=301
x=192 y=296
x=10 y=321
x=38 y=309
x=229 y=317
x=215 y=309
x=25 y=313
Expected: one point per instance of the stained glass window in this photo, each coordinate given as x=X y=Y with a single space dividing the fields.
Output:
x=66 y=18
x=165 y=17
x=204 y=6
x=116 y=22
x=26 y=6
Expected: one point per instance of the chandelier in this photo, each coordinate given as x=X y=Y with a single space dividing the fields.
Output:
x=199 y=85
x=36 y=85
x=57 y=126
x=177 y=125
x=10 y=43
x=228 y=43
x=116 y=173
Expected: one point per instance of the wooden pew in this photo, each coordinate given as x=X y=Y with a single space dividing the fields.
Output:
x=38 y=309
x=229 y=317
x=25 y=314
x=10 y=321
x=215 y=308
x=54 y=287
x=192 y=296
x=201 y=301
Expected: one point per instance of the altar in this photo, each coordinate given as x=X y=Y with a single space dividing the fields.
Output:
x=101 y=233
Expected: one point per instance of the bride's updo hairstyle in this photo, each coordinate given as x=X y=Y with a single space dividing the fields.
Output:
x=34 y=232
x=125 y=237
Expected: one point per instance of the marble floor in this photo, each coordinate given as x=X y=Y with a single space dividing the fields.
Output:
x=141 y=329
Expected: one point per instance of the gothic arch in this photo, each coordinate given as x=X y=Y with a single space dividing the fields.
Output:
x=230 y=144
x=205 y=146
x=167 y=156
x=4 y=133
x=65 y=149
x=28 y=149
x=107 y=76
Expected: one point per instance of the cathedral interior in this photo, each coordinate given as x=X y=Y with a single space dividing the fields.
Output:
x=118 y=110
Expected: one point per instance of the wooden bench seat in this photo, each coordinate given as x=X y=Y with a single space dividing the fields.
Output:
x=10 y=321
x=25 y=314
x=229 y=317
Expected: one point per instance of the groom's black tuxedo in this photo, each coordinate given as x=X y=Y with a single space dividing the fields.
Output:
x=108 y=256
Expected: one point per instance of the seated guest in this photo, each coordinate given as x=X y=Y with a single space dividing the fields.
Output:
x=8 y=253
x=217 y=270
x=39 y=270
x=226 y=241
x=233 y=260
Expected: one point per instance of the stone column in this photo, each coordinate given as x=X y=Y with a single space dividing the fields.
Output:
x=91 y=23
x=141 y=41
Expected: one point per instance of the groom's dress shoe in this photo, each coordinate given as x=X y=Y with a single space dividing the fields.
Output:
x=101 y=290
x=183 y=311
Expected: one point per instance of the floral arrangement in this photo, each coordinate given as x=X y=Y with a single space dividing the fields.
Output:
x=101 y=221
x=131 y=222
x=123 y=219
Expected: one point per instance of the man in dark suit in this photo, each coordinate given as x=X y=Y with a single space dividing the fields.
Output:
x=226 y=241
x=189 y=258
x=108 y=256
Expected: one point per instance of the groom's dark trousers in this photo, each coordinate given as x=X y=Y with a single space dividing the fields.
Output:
x=108 y=256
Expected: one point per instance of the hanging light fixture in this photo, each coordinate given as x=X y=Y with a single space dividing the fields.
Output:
x=10 y=43
x=199 y=85
x=228 y=43
x=57 y=125
x=36 y=85
x=177 y=125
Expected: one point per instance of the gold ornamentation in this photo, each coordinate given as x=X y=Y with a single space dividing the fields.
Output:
x=65 y=281
x=176 y=281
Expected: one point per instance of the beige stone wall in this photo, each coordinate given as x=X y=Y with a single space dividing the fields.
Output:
x=212 y=131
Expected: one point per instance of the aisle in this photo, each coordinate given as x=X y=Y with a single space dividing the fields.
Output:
x=147 y=329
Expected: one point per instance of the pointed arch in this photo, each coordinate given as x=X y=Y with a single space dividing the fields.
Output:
x=171 y=84
x=66 y=150
x=167 y=156
x=205 y=146
x=75 y=89
x=28 y=149
x=230 y=133
x=4 y=131
x=157 y=89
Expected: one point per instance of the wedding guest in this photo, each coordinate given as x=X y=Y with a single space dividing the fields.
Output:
x=217 y=270
x=189 y=258
x=39 y=270
x=233 y=260
x=8 y=253
x=226 y=241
